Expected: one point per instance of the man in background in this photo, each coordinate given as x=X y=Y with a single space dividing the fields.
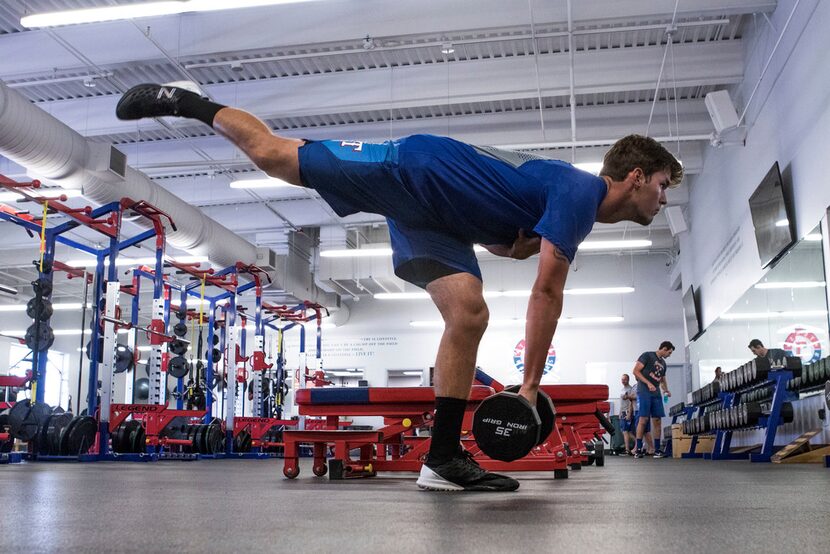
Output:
x=772 y=354
x=628 y=397
x=650 y=371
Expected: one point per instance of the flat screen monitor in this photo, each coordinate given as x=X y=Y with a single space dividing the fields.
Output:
x=773 y=217
x=691 y=312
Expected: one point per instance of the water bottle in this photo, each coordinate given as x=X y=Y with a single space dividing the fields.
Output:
x=665 y=397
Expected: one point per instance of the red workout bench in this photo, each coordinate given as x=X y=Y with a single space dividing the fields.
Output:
x=395 y=447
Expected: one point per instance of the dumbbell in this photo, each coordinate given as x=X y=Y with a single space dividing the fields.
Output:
x=506 y=427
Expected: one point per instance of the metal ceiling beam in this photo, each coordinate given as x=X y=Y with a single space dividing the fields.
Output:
x=195 y=35
x=489 y=80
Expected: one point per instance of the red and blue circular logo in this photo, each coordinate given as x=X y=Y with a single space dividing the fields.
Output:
x=519 y=358
x=803 y=344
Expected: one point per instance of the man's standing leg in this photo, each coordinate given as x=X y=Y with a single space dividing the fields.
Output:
x=460 y=300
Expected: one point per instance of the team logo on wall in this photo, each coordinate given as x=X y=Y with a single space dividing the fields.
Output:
x=519 y=358
x=804 y=344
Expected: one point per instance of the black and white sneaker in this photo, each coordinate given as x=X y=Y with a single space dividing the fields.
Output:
x=150 y=100
x=639 y=454
x=659 y=454
x=462 y=473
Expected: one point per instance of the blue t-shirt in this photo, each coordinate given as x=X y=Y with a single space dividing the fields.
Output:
x=654 y=369
x=485 y=195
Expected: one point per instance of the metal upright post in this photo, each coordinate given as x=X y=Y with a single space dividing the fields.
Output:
x=208 y=354
x=94 y=350
x=108 y=365
x=779 y=396
x=231 y=364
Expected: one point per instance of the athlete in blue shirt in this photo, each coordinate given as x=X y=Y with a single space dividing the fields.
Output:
x=650 y=371
x=440 y=197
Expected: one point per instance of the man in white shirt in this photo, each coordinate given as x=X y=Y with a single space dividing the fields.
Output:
x=628 y=398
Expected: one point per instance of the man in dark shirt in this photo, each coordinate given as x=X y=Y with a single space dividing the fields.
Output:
x=650 y=371
x=774 y=355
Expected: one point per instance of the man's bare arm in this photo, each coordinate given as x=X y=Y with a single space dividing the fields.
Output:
x=543 y=311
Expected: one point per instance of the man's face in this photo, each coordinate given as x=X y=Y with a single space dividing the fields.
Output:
x=649 y=194
x=665 y=352
x=625 y=380
x=759 y=351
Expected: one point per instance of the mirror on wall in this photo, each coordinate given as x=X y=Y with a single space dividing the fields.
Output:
x=786 y=309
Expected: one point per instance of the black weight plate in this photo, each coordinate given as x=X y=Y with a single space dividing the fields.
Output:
x=216 y=439
x=177 y=347
x=215 y=355
x=546 y=411
x=42 y=436
x=42 y=287
x=124 y=358
x=195 y=434
x=177 y=367
x=215 y=339
x=26 y=419
x=63 y=448
x=39 y=336
x=506 y=427
x=136 y=436
x=39 y=308
x=180 y=329
x=119 y=439
x=57 y=423
x=142 y=388
x=81 y=436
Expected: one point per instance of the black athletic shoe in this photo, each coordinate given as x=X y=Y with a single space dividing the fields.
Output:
x=462 y=473
x=639 y=454
x=150 y=100
x=659 y=454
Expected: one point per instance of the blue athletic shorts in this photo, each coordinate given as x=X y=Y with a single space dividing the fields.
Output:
x=637 y=421
x=354 y=176
x=650 y=405
x=626 y=425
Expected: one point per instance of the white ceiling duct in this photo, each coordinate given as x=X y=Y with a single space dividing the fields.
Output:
x=52 y=151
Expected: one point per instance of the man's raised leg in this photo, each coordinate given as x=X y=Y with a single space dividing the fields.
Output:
x=275 y=155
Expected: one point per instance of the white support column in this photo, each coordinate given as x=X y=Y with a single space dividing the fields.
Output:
x=234 y=388
x=158 y=378
x=107 y=373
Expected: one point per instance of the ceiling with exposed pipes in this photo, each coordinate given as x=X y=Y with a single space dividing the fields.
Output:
x=529 y=75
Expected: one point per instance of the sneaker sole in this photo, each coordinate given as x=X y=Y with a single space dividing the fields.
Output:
x=431 y=481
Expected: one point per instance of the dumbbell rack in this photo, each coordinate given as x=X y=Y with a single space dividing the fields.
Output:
x=770 y=423
x=683 y=411
x=696 y=411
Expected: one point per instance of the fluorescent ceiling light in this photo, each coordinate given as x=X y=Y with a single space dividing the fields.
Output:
x=506 y=293
x=145 y=9
x=56 y=307
x=791 y=285
x=813 y=237
x=782 y=223
x=49 y=193
x=774 y=315
x=356 y=253
x=413 y=373
x=260 y=184
x=447 y=48
x=519 y=321
x=600 y=290
x=613 y=244
x=121 y=262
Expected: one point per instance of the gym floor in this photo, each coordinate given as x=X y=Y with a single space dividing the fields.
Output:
x=232 y=506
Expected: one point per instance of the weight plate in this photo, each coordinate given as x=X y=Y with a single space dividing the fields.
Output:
x=177 y=367
x=136 y=436
x=506 y=427
x=177 y=347
x=180 y=329
x=81 y=436
x=124 y=358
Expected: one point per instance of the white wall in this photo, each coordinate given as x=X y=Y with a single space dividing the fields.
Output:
x=378 y=336
x=788 y=122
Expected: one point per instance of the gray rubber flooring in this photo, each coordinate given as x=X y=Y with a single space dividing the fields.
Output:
x=234 y=506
